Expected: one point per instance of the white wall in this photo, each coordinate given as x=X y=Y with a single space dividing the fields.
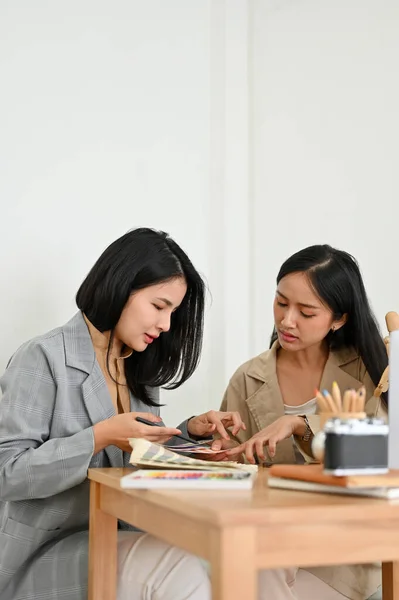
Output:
x=105 y=127
x=325 y=100
x=112 y=116
x=246 y=128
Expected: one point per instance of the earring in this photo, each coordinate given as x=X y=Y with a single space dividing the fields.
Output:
x=333 y=328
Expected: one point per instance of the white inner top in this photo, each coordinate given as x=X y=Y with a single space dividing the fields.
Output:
x=309 y=408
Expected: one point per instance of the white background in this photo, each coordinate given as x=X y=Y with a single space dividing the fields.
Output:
x=247 y=129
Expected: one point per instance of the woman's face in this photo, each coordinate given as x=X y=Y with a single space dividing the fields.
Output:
x=300 y=318
x=147 y=313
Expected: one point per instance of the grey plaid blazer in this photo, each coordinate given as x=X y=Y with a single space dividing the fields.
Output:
x=53 y=393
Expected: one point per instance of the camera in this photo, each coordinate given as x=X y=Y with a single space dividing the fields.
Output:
x=356 y=446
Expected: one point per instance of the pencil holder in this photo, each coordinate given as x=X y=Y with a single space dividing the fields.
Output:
x=342 y=407
x=325 y=416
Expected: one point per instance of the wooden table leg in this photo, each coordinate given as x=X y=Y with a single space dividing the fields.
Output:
x=233 y=564
x=390 y=581
x=102 y=549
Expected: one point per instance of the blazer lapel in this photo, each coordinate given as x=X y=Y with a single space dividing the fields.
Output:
x=266 y=404
x=334 y=372
x=79 y=354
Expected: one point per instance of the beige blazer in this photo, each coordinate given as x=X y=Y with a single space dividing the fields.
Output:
x=254 y=392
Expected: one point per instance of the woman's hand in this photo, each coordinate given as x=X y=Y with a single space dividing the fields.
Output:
x=219 y=445
x=280 y=430
x=117 y=430
x=215 y=421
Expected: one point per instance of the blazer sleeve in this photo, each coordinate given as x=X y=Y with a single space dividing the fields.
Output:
x=224 y=408
x=175 y=441
x=184 y=425
x=31 y=464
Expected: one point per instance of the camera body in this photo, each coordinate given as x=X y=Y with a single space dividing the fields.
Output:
x=356 y=446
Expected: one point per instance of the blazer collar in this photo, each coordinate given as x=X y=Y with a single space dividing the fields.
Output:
x=335 y=370
x=263 y=367
x=264 y=413
x=80 y=354
x=79 y=349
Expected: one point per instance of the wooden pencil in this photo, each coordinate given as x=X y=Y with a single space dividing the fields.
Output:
x=346 y=401
x=323 y=404
x=336 y=394
x=353 y=405
x=361 y=399
x=330 y=401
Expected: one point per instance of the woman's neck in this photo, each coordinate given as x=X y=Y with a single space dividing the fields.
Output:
x=312 y=358
x=117 y=347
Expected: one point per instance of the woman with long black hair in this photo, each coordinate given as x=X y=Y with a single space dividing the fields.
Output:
x=70 y=402
x=324 y=331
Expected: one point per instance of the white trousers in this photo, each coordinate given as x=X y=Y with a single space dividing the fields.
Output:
x=149 y=569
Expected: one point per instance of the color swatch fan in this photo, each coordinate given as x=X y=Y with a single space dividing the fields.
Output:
x=149 y=455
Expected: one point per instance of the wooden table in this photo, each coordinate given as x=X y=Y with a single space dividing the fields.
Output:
x=240 y=532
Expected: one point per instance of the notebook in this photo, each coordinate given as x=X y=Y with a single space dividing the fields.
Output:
x=311 y=478
x=310 y=486
x=230 y=479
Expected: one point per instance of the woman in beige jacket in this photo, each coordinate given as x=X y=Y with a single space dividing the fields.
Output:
x=324 y=331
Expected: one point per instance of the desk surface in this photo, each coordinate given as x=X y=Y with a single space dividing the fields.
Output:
x=261 y=505
x=273 y=527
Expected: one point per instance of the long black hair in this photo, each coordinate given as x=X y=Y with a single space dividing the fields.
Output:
x=141 y=258
x=335 y=277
